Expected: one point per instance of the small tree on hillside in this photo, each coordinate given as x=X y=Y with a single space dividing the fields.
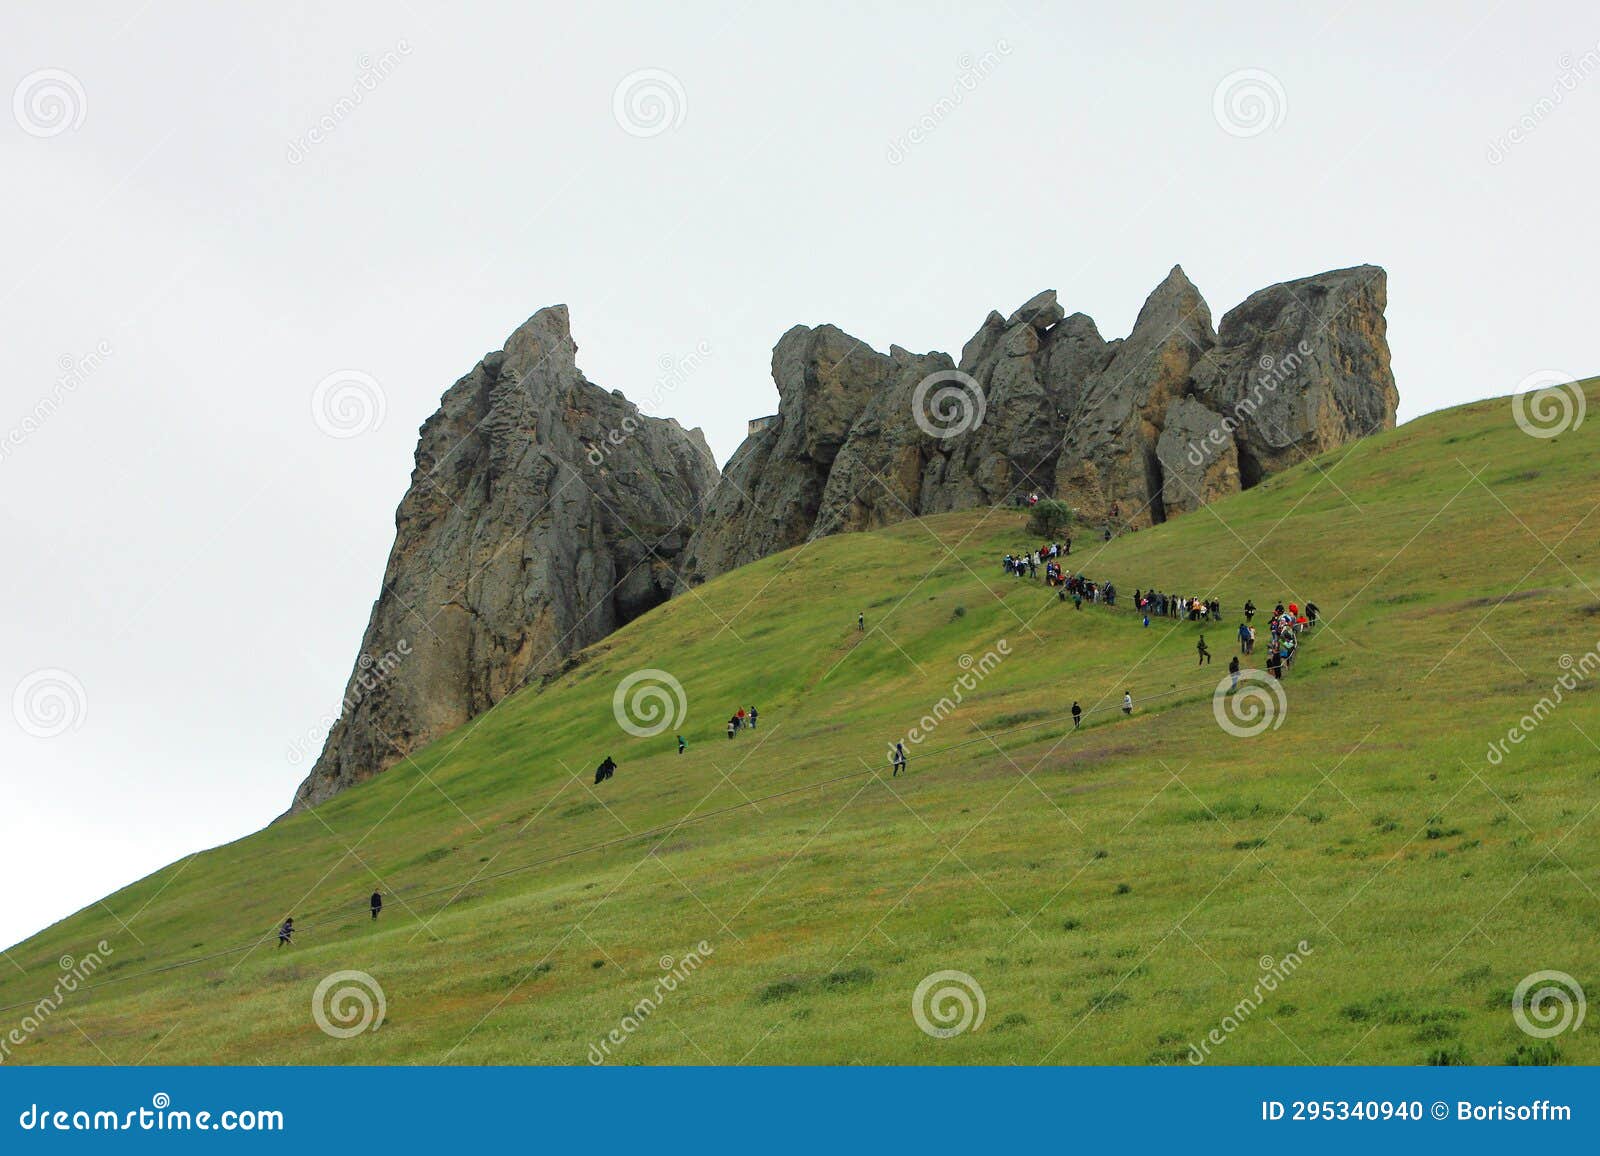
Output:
x=1049 y=518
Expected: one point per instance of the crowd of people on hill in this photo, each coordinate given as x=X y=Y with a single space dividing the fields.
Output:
x=1285 y=624
x=738 y=721
x=1192 y=607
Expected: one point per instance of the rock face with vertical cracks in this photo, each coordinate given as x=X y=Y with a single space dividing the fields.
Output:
x=544 y=512
x=1128 y=431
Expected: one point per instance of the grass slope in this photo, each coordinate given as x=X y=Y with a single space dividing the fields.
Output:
x=1115 y=892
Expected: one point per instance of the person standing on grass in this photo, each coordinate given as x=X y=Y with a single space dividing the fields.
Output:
x=1244 y=638
x=861 y=620
x=1077 y=715
x=1249 y=609
x=898 y=758
x=1203 y=651
x=286 y=932
x=1233 y=671
x=752 y=718
x=376 y=903
x=681 y=744
x=733 y=725
x=1127 y=703
x=739 y=717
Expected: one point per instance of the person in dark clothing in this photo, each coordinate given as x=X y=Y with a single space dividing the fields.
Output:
x=861 y=620
x=1202 y=651
x=376 y=903
x=681 y=744
x=1233 y=669
x=733 y=727
x=1077 y=715
x=286 y=932
x=605 y=770
x=1311 y=613
x=1068 y=546
x=898 y=758
x=753 y=718
x=1249 y=610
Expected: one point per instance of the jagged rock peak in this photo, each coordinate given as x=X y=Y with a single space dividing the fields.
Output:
x=1109 y=426
x=544 y=511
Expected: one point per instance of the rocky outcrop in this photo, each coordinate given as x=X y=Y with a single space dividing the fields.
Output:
x=544 y=512
x=1128 y=431
x=1302 y=367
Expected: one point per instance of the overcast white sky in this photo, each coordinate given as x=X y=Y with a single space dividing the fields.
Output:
x=199 y=555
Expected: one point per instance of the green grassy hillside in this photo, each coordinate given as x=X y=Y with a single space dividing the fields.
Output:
x=1116 y=893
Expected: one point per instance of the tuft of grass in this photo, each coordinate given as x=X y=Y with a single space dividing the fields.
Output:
x=779 y=990
x=1534 y=1054
x=844 y=980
